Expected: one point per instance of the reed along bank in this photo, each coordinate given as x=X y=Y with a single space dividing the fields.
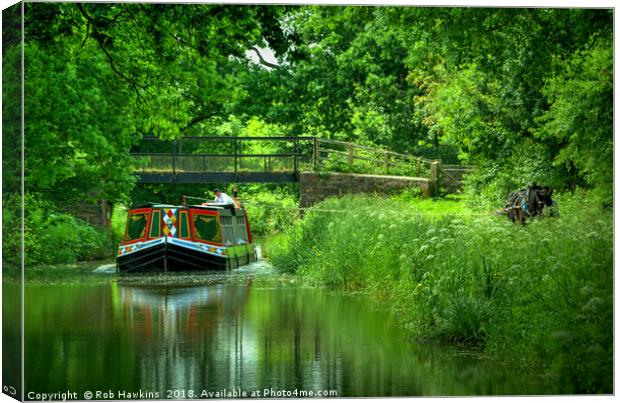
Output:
x=538 y=296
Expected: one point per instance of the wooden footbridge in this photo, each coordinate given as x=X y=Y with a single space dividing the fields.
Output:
x=265 y=159
x=322 y=167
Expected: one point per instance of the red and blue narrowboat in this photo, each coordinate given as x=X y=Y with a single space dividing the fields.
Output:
x=162 y=238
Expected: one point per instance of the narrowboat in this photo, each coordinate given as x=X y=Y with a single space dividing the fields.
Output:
x=162 y=238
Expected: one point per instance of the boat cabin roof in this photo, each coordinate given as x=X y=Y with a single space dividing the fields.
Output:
x=210 y=206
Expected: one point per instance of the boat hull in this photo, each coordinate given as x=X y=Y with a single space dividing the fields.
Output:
x=174 y=255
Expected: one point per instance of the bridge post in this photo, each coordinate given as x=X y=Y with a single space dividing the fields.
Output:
x=315 y=155
x=174 y=167
x=386 y=157
x=235 y=154
x=295 y=152
x=350 y=156
x=434 y=179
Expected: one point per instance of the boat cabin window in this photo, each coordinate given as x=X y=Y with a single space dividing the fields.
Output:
x=155 y=224
x=136 y=226
x=241 y=230
x=207 y=228
x=227 y=228
x=183 y=225
x=235 y=232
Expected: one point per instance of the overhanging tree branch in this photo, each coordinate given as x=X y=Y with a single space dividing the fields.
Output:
x=196 y=120
x=262 y=60
x=113 y=63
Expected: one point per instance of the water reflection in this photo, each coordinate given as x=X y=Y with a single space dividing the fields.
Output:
x=188 y=335
x=111 y=336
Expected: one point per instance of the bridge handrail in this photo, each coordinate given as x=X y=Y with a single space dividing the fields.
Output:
x=358 y=157
x=457 y=167
x=322 y=153
x=216 y=155
x=234 y=138
x=318 y=140
x=373 y=149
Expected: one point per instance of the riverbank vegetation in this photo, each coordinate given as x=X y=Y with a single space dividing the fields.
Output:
x=51 y=236
x=538 y=296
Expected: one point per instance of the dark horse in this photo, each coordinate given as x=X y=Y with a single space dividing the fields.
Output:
x=528 y=202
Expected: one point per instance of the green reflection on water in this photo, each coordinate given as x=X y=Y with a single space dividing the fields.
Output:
x=94 y=335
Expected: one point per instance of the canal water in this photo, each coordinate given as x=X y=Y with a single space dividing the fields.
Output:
x=244 y=334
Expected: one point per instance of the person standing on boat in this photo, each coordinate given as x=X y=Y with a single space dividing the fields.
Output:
x=221 y=197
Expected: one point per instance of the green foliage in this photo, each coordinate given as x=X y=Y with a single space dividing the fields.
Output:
x=50 y=236
x=175 y=61
x=11 y=235
x=11 y=117
x=365 y=99
x=409 y=194
x=581 y=114
x=77 y=136
x=491 y=78
x=270 y=211
x=169 y=194
x=252 y=127
x=119 y=218
x=538 y=296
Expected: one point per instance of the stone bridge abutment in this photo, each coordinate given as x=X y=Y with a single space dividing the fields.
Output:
x=317 y=186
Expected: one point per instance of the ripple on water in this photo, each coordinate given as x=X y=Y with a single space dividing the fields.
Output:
x=258 y=269
x=106 y=269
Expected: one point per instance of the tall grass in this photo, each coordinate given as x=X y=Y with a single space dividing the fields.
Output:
x=537 y=296
x=270 y=212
